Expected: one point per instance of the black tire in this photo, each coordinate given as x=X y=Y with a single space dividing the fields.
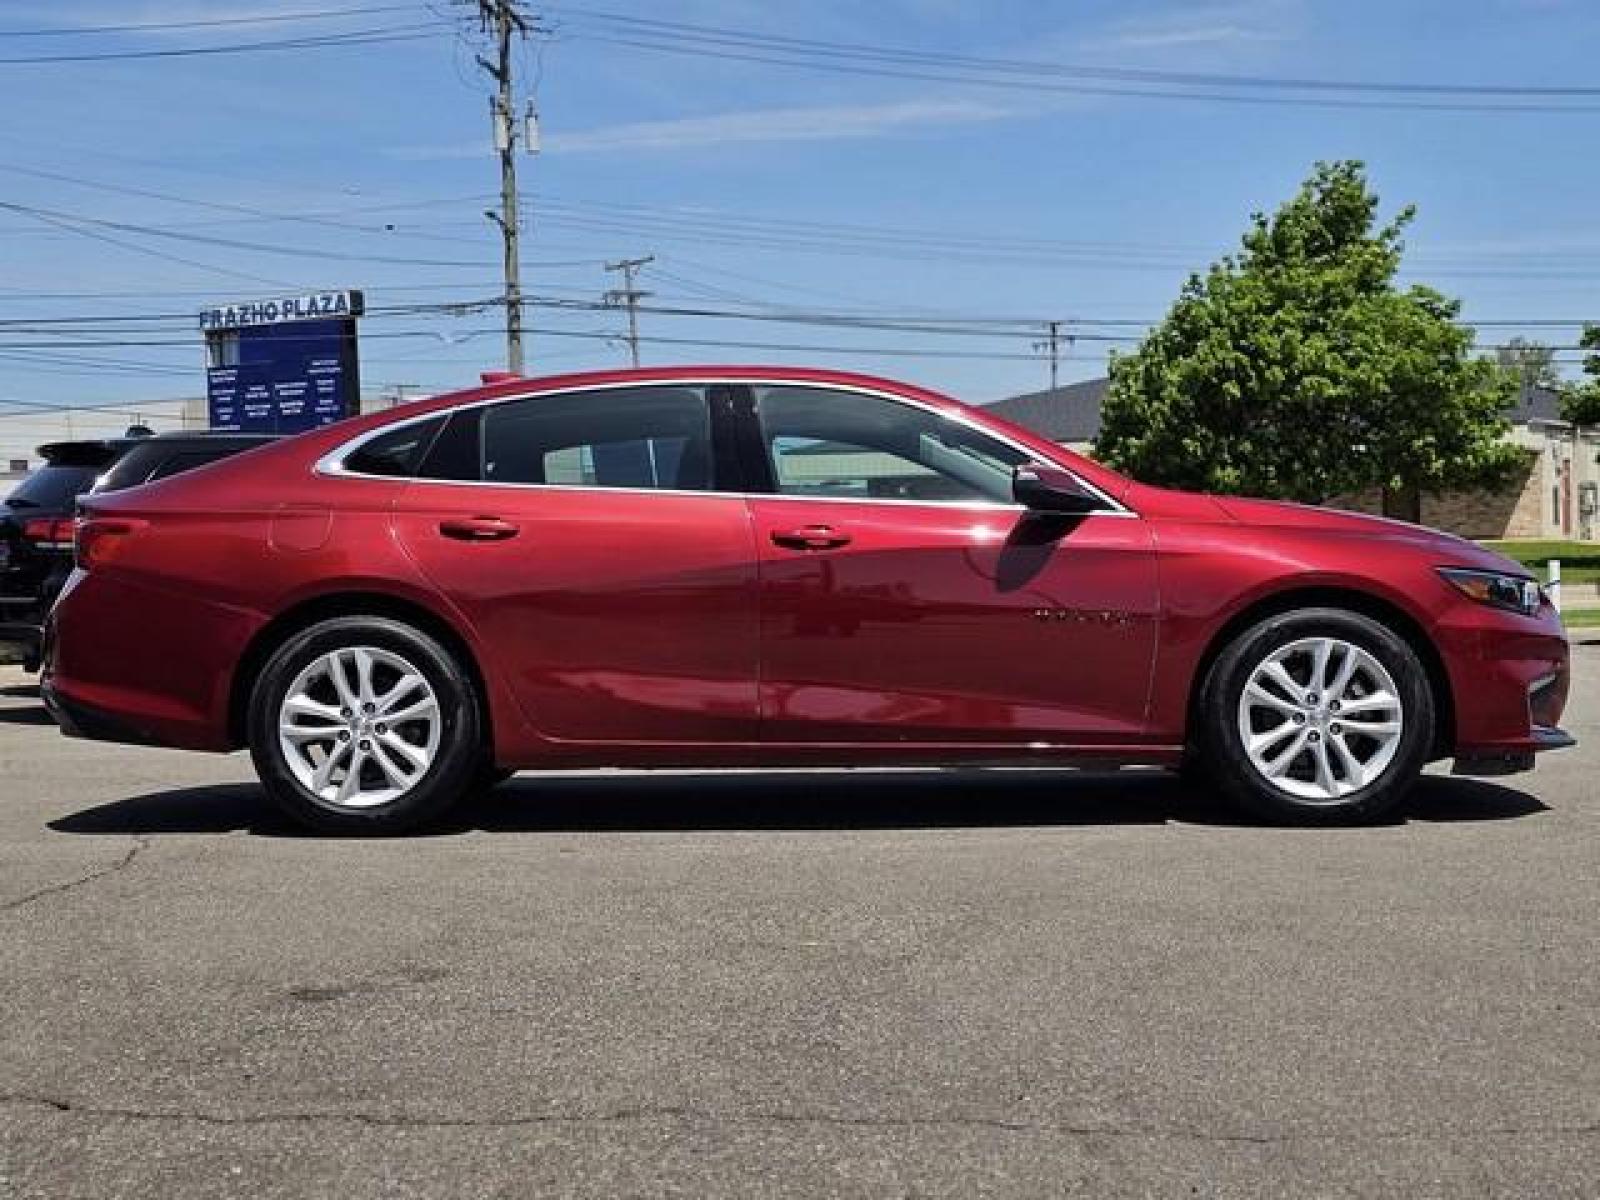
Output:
x=1195 y=772
x=489 y=776
x=444 y=781
x=1221 y=744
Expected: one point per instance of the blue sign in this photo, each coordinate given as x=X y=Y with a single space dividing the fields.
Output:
x=283 y=378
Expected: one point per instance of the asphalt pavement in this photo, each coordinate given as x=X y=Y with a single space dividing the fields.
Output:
x=803 y=984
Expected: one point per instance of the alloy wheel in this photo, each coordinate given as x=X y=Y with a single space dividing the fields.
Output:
x=1320 y=718
x=359 y=727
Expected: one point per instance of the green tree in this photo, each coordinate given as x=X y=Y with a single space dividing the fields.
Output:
x=1296 y=369
x=1533 y=363
x=1580 y=402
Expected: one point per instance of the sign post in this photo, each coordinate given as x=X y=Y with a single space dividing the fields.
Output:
x=283 y=365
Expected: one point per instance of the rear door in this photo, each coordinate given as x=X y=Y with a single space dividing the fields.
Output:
x=587 y=538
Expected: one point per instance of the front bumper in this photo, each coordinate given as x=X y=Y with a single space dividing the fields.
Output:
x=1514 y=762
x=1510 y=676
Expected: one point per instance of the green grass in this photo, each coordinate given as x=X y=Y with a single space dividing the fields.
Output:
x=1581 y=618
x=1580 y=561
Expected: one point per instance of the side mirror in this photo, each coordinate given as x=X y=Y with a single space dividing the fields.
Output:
x=1044 y=488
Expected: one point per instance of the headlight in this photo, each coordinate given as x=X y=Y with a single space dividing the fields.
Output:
x=1514 y=593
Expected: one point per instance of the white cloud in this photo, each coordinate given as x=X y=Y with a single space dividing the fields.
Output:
x=1197 y=25
x=812 y=124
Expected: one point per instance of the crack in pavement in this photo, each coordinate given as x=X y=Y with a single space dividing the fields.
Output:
x=140 y=844
x=693 y=1116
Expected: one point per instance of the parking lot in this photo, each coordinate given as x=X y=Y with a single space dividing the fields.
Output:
x=800 y=984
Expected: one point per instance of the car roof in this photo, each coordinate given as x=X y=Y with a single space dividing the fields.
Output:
x=90 y=452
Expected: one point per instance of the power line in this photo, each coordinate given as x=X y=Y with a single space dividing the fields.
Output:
x=209 y=23
x=1136 y=74
x=359 y=37
x=216 y=206
x=885 y=61
x=49 y=219
x=1087 y=328
x=68 y=220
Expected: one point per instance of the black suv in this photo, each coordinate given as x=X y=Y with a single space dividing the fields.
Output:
x=36 y=518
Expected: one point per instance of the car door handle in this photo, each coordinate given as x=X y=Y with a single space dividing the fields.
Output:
x=810 y=537
x=477 y=529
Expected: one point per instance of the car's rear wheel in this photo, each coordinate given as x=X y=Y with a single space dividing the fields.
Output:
x=364 y=725
x=1317 y=714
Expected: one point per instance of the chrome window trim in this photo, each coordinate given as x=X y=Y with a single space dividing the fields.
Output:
x=332 y=463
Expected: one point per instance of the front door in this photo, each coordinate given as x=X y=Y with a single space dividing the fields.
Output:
x=584 y=538
x=906 y=599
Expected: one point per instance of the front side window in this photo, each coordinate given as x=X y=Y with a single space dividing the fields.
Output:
x=822 y=442
x=647 y=437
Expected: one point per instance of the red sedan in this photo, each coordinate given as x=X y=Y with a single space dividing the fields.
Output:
x=732 y=566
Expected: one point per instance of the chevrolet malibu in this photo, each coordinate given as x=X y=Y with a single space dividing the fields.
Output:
x=713 y=567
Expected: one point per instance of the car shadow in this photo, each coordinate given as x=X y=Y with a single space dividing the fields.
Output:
x=798 y=802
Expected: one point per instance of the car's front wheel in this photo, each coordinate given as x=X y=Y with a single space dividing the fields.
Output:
x=364 y=725
x=1317 y=714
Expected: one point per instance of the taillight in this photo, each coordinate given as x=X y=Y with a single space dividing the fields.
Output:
x=50 y=533
x=101 y=539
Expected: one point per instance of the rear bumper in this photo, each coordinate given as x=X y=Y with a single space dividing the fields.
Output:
x=125 y=661
x=78 y=720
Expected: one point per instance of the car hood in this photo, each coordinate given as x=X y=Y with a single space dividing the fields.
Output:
x=1447 y=547
x=1164 y=504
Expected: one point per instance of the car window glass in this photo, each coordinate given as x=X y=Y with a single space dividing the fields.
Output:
x=457 y=452
x=177 y=464
x=822 y=442
x=132 y=468
x=651 y=437
x=52 y=488
x=395 y=452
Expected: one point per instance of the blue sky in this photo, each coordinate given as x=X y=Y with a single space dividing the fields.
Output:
x=756 y=186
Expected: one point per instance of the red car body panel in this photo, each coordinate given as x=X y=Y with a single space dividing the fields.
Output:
x=954 y=624
x=622 y=627
x=612 y=621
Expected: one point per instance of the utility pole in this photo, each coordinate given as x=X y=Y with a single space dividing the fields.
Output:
x=630 y=295
x=1053 y=341
x=503 y=21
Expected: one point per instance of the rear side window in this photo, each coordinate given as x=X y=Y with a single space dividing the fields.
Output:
x=397 y=452
x=649 y=437
x=458 y=450
x=158 y=460
x=132 y=469
x=52 y=488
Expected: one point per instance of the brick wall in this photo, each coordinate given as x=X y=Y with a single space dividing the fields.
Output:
x=1514 y=511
